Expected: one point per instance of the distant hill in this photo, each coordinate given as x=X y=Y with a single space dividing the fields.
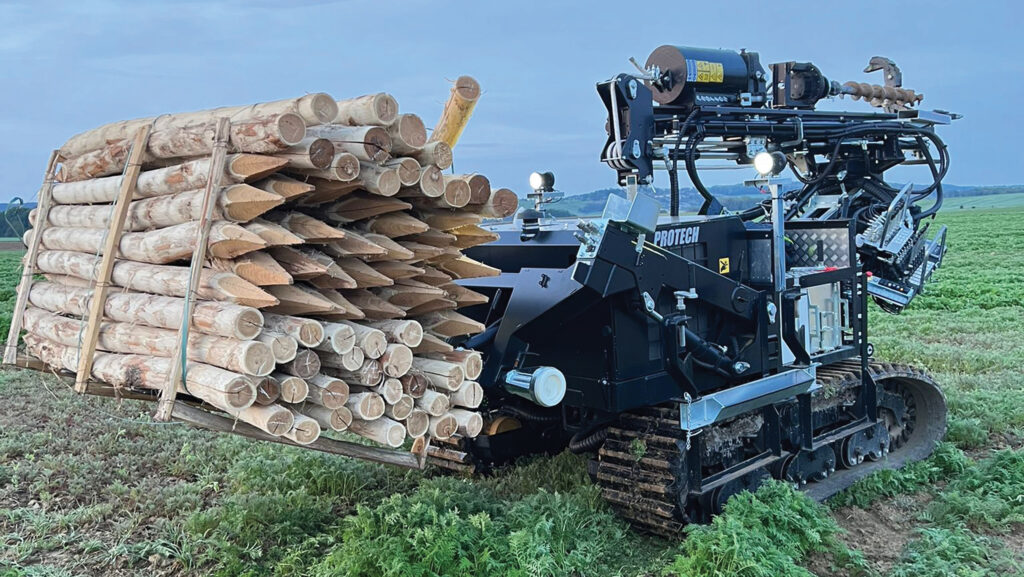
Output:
x=955 y=190
x=733 y=197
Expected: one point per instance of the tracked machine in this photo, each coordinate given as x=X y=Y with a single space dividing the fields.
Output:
x=696 y=356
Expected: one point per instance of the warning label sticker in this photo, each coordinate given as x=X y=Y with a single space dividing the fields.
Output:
x=710 y=71
x=723 y=265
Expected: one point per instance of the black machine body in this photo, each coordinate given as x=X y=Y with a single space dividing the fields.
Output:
x=729 y=346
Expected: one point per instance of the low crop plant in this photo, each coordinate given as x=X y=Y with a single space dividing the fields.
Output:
x=988 y=496
x=455 y=527
x=763 y=534
x=943 y=552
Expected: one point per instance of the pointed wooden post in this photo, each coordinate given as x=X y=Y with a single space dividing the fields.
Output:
x=110 y=250
x=421 y=450
x=28 y=267
x=458 y=109
x=177 y=373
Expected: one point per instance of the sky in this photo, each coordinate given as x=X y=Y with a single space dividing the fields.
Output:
x=69 y=66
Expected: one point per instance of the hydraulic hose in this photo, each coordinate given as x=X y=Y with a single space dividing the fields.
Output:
x=673 y=176
x=691 y=168
x=884 y=192
x=531 y=416
x=937 y=183
x=584 y=442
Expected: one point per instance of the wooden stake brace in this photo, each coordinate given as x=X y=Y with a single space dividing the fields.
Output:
x=170 y=392
x=193 y=415
x=92 y=387
x=29 y=264
x=201 y=418
x=110 y=250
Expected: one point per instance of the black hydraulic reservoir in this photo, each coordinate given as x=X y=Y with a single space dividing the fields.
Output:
x=690 y=76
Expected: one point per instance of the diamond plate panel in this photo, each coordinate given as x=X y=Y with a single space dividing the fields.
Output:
x=811 y=247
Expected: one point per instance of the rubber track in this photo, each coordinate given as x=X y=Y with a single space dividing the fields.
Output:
x=641 y=459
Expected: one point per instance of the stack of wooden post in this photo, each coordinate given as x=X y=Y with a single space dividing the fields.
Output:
x=327 y=295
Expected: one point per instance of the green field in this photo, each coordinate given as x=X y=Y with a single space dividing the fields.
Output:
x=92 y=486
x=1010 y=200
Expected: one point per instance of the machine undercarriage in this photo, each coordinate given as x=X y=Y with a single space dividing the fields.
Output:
x=646 y=473
x=697 y=356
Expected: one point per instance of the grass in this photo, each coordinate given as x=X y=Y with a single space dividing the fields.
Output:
x=941 y=552
x=10 y=274
x=765 y=534
x=988 y=201
x=92 y=486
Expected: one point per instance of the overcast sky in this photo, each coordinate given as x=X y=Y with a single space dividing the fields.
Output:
x=69 y=66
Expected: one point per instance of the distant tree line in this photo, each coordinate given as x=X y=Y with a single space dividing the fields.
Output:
x=14 y=219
